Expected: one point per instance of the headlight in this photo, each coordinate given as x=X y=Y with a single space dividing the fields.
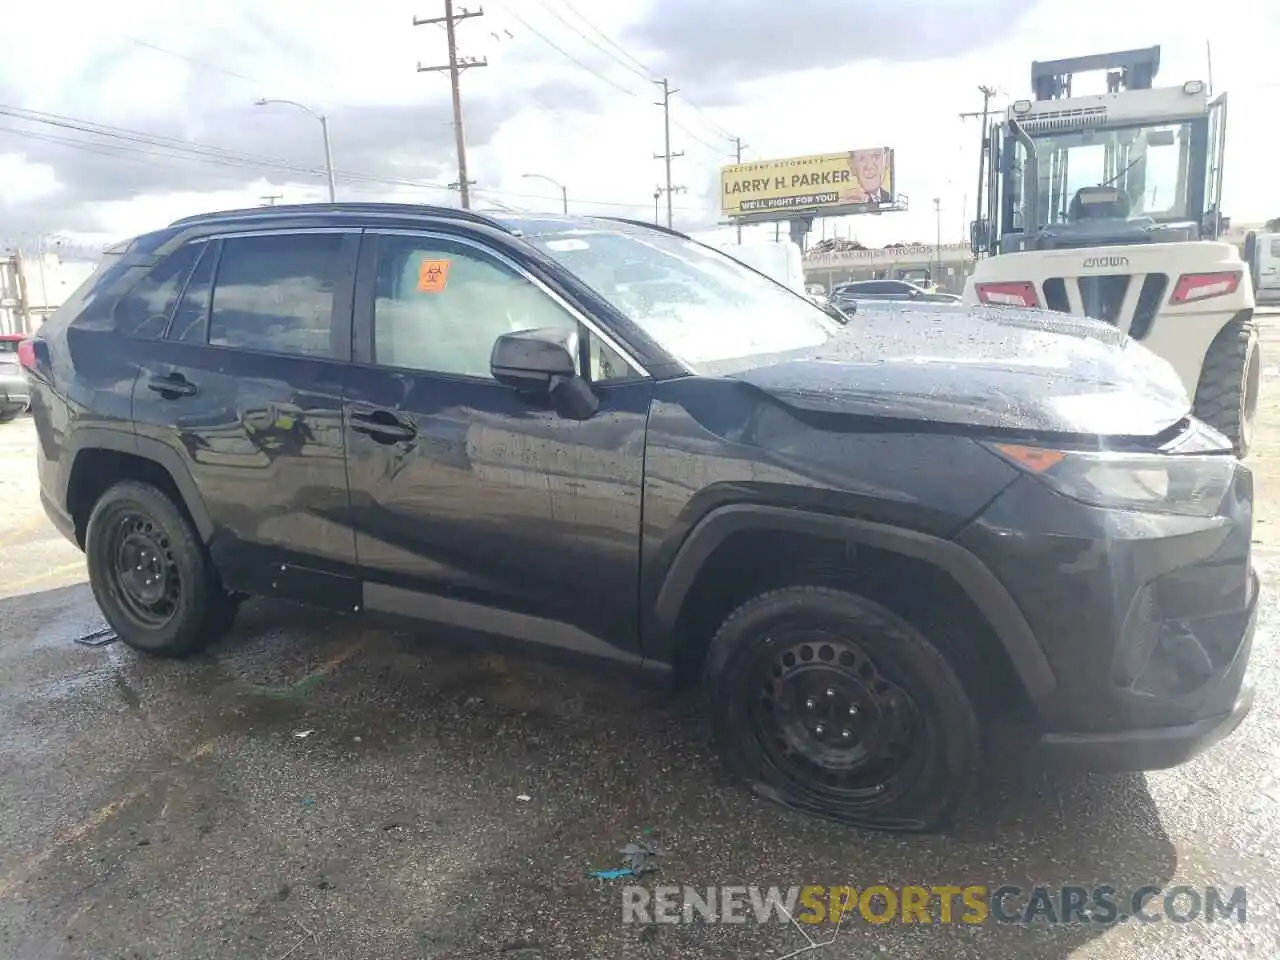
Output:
x=1156 y=483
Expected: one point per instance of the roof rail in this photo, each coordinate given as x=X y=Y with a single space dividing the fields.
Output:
x=323 y=209
x=645 y=223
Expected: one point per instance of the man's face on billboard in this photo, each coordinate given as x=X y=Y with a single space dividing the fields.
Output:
x=868 y=167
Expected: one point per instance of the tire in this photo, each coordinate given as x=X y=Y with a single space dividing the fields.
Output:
x=822 y=671
x=7 y=415
x=1227 y=393
x=138 y=521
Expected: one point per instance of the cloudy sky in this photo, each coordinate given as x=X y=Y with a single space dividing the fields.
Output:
x=567 y=93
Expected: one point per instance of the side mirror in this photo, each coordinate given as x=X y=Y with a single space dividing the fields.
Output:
x=980 y=236
x=543 y=363
x=528 y=360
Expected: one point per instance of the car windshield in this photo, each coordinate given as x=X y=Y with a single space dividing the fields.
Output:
x=703 y=307
x=1148 y=165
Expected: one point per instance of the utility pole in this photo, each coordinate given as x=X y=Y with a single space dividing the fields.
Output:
x=937 y=244
x=987 y=93
x=455 y=66
x=270 y=199
x=667 y=156
x=737 y=144
x=657 y=195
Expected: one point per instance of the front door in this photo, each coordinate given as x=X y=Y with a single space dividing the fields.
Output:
x=472 y=504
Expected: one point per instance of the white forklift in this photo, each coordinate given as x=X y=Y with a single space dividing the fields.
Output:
x=1109 y=206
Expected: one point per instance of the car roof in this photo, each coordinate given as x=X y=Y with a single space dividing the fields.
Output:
x=513 y=223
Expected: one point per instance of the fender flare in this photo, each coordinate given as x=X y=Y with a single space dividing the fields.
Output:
x=164 y=456
x=979 y=584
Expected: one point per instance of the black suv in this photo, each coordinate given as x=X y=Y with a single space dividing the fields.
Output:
x=875 y=539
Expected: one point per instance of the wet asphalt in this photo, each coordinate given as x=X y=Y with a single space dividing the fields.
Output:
x=314 y=787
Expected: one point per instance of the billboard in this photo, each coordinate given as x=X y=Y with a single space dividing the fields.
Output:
x=854 y=181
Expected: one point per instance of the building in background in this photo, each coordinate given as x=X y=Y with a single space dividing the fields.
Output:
x=35 y=282
x=947 y=265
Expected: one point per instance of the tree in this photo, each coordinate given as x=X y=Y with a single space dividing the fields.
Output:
x=1273 y=226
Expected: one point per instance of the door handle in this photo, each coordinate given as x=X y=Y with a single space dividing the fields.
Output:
x=382 y=426
x=172 y=385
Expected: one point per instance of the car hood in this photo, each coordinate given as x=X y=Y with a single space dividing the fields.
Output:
x=982 y=367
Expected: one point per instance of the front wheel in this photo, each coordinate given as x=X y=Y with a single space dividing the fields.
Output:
x=1227 y=393
x=829 y=703
x=151 y=576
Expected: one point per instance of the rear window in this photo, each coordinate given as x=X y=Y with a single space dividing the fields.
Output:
x=8 y=346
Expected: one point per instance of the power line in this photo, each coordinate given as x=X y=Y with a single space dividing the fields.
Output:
x=641 y=72
x=639 y=67
x=216 y=68
x=170 y=149
x=565 y=53
x=606 y=38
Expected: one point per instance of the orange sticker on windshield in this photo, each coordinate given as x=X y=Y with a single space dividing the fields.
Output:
x=432 y=275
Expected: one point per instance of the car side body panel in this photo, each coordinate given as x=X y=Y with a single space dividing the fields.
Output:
x=718 y=444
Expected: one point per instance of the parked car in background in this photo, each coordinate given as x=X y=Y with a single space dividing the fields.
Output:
x=15 y=392
x=879 y=541
x=888 y=290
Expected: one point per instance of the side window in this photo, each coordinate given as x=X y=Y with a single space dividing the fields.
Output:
x=440 y=305
x=275 y=294
x=144 y=311
x=1275 y=249
x=191 y=318
x=606 y=363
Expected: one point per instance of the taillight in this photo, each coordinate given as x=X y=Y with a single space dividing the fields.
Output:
x=27 y=354
x=1014 y=293
x=1192 y=287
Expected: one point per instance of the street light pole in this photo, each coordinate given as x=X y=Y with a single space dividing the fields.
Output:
x=564 y=192
x=937 y=246
x=324 y=129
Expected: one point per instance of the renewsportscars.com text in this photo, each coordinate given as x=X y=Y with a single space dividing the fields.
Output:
x=946 y=904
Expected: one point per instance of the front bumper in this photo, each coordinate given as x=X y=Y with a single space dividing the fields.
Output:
x=1146 y=620
x=1145 y=749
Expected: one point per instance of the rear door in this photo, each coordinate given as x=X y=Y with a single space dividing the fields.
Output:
x=245 y=391
x=474 y=505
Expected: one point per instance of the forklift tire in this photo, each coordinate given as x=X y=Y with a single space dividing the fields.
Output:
x=1227 y=394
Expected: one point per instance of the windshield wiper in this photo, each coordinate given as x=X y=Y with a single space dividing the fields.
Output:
x=835 y=313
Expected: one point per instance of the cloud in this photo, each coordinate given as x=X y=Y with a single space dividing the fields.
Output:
x=197 y=82
x=375 y=149
x=712 y=48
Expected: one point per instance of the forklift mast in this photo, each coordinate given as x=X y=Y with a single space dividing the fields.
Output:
x=1127 y=70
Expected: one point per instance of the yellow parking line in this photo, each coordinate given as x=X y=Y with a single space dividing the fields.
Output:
x=27 y=526
x=93 y=822
x=14 y=586
x=319 y=673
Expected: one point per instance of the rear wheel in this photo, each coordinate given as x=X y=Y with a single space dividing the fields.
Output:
x=151 y=575
x=7 y=415
x=1227 y=394
x=829 y=703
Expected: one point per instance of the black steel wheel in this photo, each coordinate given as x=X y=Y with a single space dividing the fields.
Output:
x=143 y=574
x=150 y=573
x=832 y=704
